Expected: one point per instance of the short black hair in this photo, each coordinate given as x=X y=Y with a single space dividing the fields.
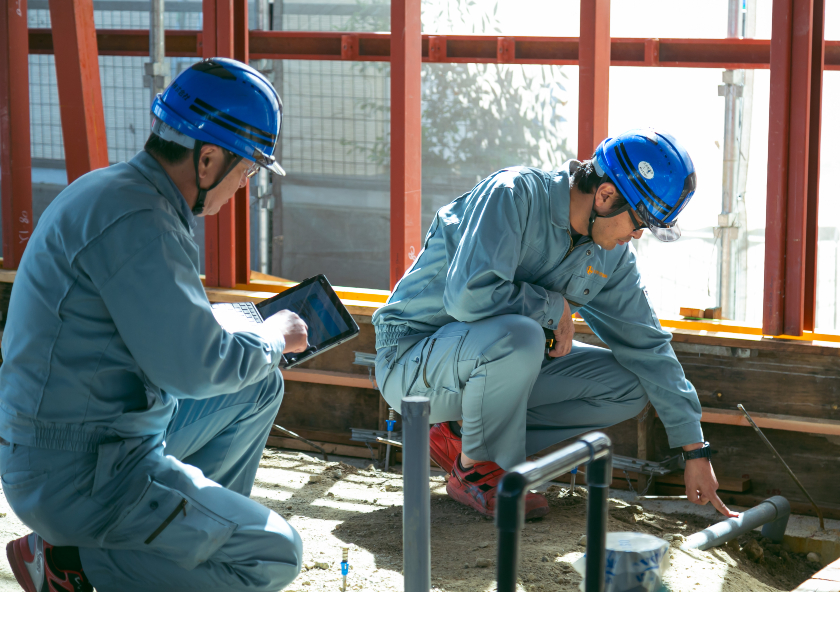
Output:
x=587 y=180
x=166 y=151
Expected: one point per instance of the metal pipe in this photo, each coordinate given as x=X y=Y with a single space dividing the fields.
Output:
x=594 y=450
x=157 y=70
x=417 y=553
x=772 y=513
x=295 y=436
x=598 y=478
x=779 y=457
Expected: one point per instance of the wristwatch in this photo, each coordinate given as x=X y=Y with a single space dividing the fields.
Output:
x=705 y=451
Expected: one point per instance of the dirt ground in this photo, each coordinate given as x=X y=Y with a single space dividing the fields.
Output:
x=335 y=505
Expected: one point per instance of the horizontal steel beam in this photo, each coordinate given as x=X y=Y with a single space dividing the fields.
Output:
x=327 y=46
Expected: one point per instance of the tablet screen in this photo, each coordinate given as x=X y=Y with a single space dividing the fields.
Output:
x=315 y=306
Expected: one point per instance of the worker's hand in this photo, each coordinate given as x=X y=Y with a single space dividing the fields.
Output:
x=564 y=333
x=293 y=329
x=701 y=485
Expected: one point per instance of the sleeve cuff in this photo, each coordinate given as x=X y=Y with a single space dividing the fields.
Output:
x=689 y=433
x=554 y=311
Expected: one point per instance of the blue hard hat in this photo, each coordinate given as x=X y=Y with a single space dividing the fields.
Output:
x=222 y=102
x=653 y=172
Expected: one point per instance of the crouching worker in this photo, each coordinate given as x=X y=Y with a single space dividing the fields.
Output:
x=132 y=424
x=514 y=257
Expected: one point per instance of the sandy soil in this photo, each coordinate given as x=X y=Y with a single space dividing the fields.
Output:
x=335 y=505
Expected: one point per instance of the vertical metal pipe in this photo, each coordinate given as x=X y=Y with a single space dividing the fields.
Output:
x=157 y=70
x=510 y=519
x=598 y=477
x=417 y=554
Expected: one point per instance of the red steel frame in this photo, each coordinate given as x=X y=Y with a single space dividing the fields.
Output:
x=227 y=237
x=796 y=57
x=405 y=136
x=15 y=154
x=594 y=82
x=79 y=88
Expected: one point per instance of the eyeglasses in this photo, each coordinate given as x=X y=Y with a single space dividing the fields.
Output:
x=638 y=224
x=252 y=170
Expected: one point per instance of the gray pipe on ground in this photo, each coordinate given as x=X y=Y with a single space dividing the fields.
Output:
x=772 y=513
x=417 y=550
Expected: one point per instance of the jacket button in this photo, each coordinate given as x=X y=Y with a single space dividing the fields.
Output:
x=588 y=252
x=153 y=505
x=550 y=322
x=586 y=291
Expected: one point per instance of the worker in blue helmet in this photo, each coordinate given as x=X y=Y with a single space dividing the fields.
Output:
x=131 y=423
x=502 y=269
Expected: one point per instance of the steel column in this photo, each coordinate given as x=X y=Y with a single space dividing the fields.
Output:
x=814 y=141
x=594 y=82
x=15 y=155
x=405 y=135
x=79 y=87
x=227 y=237
x=791 y=193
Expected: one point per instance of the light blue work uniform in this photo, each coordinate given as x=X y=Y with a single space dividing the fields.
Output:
x=464 y=326
x=132 y=424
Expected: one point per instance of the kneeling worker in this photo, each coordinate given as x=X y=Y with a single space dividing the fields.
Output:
x=131 y=423
x=518 y=254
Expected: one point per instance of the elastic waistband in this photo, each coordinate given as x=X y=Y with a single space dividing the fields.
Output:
x=388 y=335
x=52 y=435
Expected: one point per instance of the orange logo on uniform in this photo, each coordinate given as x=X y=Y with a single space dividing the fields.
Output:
x=590 y=270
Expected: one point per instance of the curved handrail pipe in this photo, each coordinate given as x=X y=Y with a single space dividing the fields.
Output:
x=593 y=450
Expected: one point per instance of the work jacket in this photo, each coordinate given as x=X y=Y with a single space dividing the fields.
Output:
x=109 y=324
x=506 y=248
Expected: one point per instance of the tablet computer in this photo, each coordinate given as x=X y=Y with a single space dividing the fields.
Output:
x=313 y=300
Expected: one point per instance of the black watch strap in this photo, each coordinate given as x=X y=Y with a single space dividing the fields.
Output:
x=705 y=451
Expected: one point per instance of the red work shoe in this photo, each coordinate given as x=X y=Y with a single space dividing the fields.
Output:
x=444 y=446
x=37 y=571
x=476 y=487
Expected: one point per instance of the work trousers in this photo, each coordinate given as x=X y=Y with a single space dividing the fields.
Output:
x=493 y=375
x=167 y=512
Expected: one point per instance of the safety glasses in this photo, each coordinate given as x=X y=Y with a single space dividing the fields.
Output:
x=253 y=170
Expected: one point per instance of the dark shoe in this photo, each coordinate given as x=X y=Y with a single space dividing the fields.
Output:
x=476 y=487
x=444 y=446
x=37 y=571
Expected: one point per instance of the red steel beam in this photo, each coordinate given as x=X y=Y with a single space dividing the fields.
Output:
x=777 y=169
x=327 y=46
x=800 y=130
x=594 y=75
x=241 y=201
x=405 y=135
x=79 y=87
x=814 y=140
x=219 y=230
x=15 y=156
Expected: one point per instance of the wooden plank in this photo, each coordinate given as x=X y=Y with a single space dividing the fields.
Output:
x=818 y=586
x=329 y=447
x=325 y=377
x=773 y=421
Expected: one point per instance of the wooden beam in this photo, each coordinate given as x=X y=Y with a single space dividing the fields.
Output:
x=15 y=155
x=342 y=379
x=772 y=421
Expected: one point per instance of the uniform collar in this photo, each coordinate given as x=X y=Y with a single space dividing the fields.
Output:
x=151 y=169
x=559 y=195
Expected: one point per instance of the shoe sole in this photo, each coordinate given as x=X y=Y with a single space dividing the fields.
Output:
x=537 y=512
x=19 y=567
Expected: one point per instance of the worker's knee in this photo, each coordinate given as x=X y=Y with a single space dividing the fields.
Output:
x=271 y=390
x=285 y=565
x=525 y=336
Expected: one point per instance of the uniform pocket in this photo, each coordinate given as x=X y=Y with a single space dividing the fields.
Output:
x=581 y=289
x=437 y=377
x=170 y=524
